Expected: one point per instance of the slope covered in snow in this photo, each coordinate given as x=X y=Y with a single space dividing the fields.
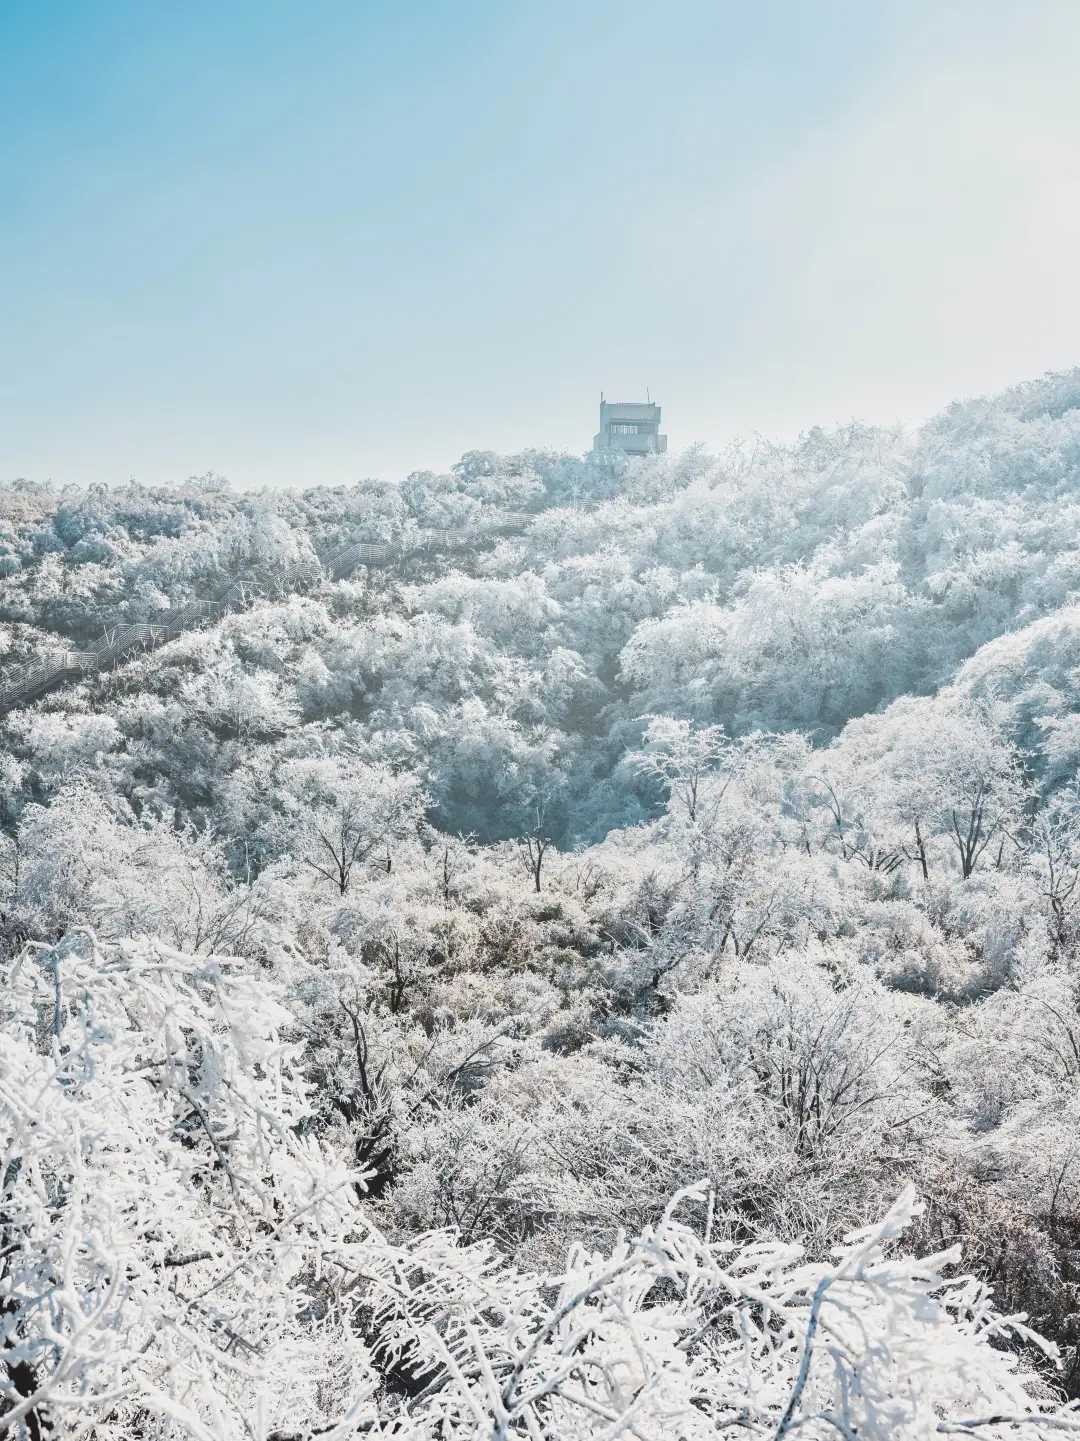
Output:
x=717 y=826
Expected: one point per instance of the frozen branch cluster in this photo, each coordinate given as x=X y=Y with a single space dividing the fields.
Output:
x=181 y=1259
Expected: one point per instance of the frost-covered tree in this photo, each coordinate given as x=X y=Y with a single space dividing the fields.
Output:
x=340 y=813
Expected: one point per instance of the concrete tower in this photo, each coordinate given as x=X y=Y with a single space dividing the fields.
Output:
x=628 y=429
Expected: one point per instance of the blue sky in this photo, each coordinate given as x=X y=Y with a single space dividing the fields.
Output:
x=312 y=242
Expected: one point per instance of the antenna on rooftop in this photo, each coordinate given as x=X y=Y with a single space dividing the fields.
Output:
x=648 y=397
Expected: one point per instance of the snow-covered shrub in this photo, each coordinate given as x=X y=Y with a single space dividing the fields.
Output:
x=183 y=1257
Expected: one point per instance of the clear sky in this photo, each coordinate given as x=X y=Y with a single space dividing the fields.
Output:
x=302 y=242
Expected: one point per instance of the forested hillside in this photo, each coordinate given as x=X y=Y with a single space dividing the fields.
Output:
x=711 y=832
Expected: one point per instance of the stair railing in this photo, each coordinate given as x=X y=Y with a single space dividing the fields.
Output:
x=31 y=679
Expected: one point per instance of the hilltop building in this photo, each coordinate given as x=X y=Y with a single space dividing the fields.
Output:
x=628 y=429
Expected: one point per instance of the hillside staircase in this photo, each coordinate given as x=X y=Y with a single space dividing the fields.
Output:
x=27 y=682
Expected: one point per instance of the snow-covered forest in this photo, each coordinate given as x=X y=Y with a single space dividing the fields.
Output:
x=615 y=974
